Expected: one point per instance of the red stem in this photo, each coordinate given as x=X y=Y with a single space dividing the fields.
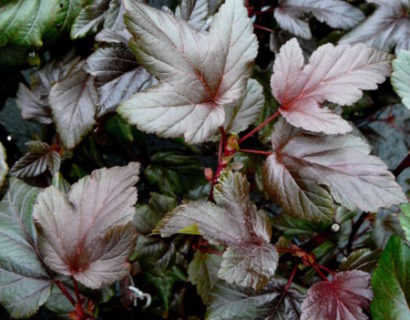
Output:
x=316 y=268
x=292 y=275
x=326 y=269
x=257 y=26
x=65 y=292
x=77 y=291
x=264 y=153
x=259 y=126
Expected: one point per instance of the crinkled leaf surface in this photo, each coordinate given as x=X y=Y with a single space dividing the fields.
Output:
x=335 y=13
x=3 y=165
x=25 y=283
x=341 y=298
x=117 y=76
x=391 y=282
x=405 y=219
x=247 y=237
x=73 y=102
x=40 y=157
x=87 y=233
x=387 y=27
x=27 y=23
x=336 y=74
x=33 y=102
x=247 y=110
x=400 y=77
x=202 y=272
x=361 y=259
x=205 y=73
x=195 y=12
x=342 y=163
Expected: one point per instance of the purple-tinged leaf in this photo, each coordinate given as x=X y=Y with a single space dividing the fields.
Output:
x=341 y=298
x=117 y=76
x=24 y=281
x=33 y=102
x=3 y=165
x=207 y=71
x=73 y=102
x=37 y=160
x=87 y=233
x=335 y=13
x=336 y=74
x=361 y=259
x=247 y=110
x=387 y=27
x=342 y=164
x=195 y=12
x=400 y=77
x=247 y=237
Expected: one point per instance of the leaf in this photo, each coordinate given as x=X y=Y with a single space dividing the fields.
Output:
x=362 y=259
x=89 y=19
x=343 y=297
x=272 y=302
x=336 y=74
x=400 y=77
x=387 y=27
x=391 y=279
x=335 y=13
x=33 y=102
x=73 y=102
x=342 y=164
x=202 y=272
x=117 y=76
x=248 y=234
x=25 y=283
x=386 y=224
x=195 y=12
x=3 y=165
x=205 y=73
x=28 y=23
x=405 y=219
x=87 y=233
x=247 y=110
x=40 y=157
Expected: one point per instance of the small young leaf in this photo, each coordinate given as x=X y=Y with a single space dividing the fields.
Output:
x=202 y=272
x=3 y=165
x=355 y=179
x=205 y=73
x=117 y=76
x=362 y=259
x=88 y=233
x=391 y=279
x=247 y=237
x=335 y=13
x=336 y=74
x=387 y=27
x=73 y=102
x=195 y=12
x=37 y=160
x=405 y=220
x=25 y=283
x=400 y=77
x=385 y=225
x=247 y=110
x=343 y=297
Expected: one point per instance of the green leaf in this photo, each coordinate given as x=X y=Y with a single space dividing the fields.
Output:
x=405 y=219
x=25 y=283
x=385 y=225
x=400 y=77
x=28 y=23
x=119 y=129
x=202 y=272
x=391 y=283
x=362 y=259
x=3 y=165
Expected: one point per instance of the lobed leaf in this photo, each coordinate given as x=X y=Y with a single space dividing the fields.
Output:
x=25 y=283
x=40 y=157
x=343 y=297
x=247 y=237
x=195 y=12
x=335 y=13
x=390 y=282
x=87 y=233
x=205 y=73
x=341 y=164
x=400 y=77
x=387 y=27
x=336 y=74
x=73 y=102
